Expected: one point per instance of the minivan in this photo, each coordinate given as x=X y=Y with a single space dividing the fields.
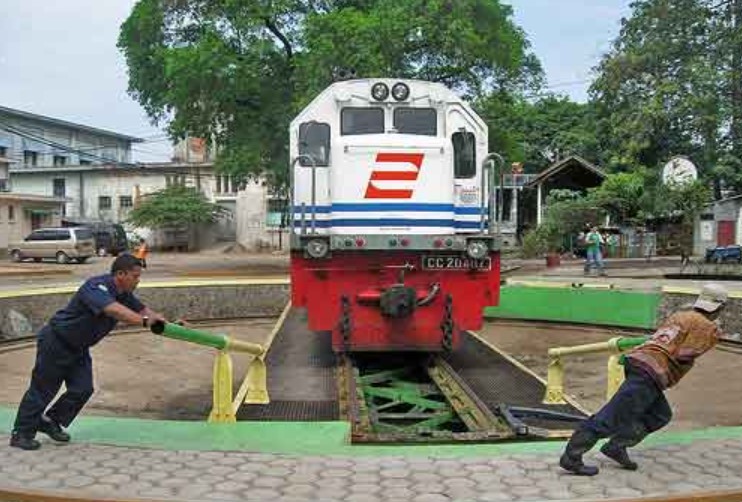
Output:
x=110 y=238
x=62 y=244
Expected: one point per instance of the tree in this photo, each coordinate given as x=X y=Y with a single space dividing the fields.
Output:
x=174 y=206
x=539 y=132
x=237 y=72
x=670 y=85
x=621 y=196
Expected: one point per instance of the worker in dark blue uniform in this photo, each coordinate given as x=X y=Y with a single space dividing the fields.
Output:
x=63 y=351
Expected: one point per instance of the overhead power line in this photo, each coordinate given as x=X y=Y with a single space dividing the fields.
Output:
x=39 y=139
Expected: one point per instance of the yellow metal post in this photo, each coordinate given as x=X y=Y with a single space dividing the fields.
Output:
x=221 y=411
x=257 y=391
x=615 y=376
x=555 y=381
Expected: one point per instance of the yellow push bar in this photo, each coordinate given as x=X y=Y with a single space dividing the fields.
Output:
x=615 y=346
x=222 y=410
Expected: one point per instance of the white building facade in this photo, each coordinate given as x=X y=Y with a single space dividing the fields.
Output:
x=79 y=173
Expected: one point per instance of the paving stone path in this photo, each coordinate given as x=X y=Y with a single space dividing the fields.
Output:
x=111 y=471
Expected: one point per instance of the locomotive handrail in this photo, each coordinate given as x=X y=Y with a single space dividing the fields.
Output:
x=314 y=190
x=489 y=182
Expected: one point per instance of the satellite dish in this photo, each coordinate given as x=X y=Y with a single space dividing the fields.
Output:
x=679 y=171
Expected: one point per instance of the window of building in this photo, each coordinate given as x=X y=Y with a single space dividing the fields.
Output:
x=464 y=155
x=104 y=202
x=59 y=160
x=84 y=162
x=126 y=201
x=59 y=187
x=3 y=151
x=175 y=180
x=226 y=184
x=361 y=121
x=423 y=121
x=30 y=158
x=11 y=213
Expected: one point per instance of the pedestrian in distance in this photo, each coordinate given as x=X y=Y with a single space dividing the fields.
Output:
x=594 y=255
x=142 y=252
x=639 y=406
x=63 y=351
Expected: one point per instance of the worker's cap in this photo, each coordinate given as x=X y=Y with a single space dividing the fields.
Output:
x=711 y=298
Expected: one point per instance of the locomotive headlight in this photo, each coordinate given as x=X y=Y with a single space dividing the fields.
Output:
x=477 y=249
x=317 y=248
x=400 y=91
x=379 y=91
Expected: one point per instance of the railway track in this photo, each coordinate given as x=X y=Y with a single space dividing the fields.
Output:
x=422 y=398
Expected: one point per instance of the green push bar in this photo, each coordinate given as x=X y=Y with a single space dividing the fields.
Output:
x=629 y=342
x=217 y=341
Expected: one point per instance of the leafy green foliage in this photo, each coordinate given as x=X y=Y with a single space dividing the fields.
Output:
x=667 y=88
x=566 y=214
x=541 y=132
x=174 y=206
x=236 y=72
x=621 y=196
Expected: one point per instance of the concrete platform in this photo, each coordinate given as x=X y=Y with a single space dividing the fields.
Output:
x=128 y=458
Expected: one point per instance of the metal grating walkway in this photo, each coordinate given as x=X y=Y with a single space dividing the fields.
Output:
x=495 y=380
x=301 y=376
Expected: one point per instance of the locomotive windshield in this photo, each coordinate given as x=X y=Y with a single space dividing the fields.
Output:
x=362 y=121
x=422 y=121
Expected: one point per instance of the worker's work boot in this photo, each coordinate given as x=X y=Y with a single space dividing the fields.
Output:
x=579 y=444
x=618 y=453
x=53 y=430
x=24 y=441
x=615 y=449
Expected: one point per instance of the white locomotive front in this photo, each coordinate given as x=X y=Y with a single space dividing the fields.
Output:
x=400 y=157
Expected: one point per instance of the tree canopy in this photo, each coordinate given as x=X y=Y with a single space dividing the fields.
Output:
x=236 y=72
x=174 y=206
x=539 y=132
x=670 y=85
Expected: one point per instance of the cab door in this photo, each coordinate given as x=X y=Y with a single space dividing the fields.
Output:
x=468 y=140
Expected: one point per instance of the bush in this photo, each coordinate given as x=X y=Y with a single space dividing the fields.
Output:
x=547 y=238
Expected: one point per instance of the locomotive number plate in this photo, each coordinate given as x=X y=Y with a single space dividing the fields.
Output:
x=456 y=263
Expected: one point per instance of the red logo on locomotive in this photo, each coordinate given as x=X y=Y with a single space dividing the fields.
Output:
x=373 y=192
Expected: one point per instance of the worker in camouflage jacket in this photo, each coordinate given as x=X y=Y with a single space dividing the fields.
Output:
x=639 y=406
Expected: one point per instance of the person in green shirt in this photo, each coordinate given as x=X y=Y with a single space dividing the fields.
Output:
x=594 y=256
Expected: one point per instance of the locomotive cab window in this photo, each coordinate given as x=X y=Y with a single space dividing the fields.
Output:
x=314 y=142
x=361 y=121
x=464 y=155
x=422 y=121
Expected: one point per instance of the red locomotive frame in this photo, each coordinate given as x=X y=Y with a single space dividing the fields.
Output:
x=353 y=295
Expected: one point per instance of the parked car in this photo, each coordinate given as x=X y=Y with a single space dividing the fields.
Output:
x=110 y=238
x=724 y=254
x=62 y=244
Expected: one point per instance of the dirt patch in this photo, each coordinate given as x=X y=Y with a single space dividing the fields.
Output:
x=138 y=374
x=706 y=397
